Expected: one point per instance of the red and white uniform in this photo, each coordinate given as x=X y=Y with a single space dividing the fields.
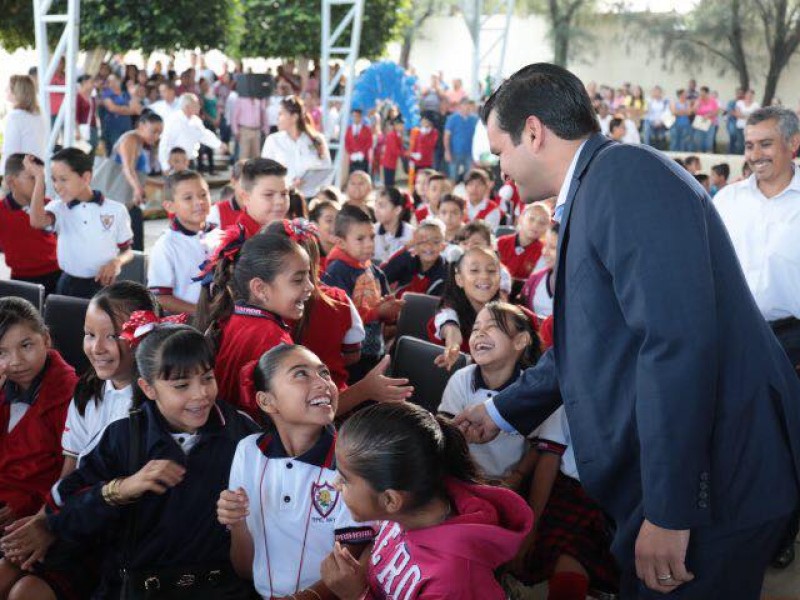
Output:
x=486 y=210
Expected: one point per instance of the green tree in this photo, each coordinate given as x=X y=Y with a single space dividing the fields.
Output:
x=565 y=18
x=780 y=28
x=291 y=28
x=16 y=24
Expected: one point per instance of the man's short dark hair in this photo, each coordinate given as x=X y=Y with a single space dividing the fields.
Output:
x=255 y=168
x=177 y=150
x=723 y=170
x=614 y=123
x=549 y=92
x=349 y=215
x=477 y=175
x=692 y=160
x=15 y=164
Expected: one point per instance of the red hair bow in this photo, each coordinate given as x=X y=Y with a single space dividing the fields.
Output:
x=301 y=230
x=230 y=244
x=142 y=322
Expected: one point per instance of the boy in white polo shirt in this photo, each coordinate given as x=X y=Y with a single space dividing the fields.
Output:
x=94 y=233
x=179 y=252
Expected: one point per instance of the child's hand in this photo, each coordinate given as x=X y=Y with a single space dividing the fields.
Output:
x=33 y=167
x=389 y=309
x=343 y=574
x=386 y=389
x=448 y=358
x=233 y=507
x=109 y=272
x=27 y=540
x=156 y=476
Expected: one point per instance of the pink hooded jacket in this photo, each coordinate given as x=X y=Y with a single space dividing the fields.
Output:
x=456 y=559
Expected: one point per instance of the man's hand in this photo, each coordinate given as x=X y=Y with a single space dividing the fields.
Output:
x=661 y=557
x=476 y=424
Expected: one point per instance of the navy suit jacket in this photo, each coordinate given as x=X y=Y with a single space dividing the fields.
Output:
x=683 y=408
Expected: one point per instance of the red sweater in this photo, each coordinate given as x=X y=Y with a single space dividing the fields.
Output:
x=361 y=143
x=31 y=454
x=29 y=252
x=425 y=144
x=392 y=150
x=520 y=260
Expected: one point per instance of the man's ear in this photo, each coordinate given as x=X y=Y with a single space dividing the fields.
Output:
x=533 y=133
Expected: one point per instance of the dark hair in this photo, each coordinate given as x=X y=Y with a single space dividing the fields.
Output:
x=330 y=193
x=691 y=159
x=294 y=105
x=82 y=78
x=149 y=117
x=454 y=296
x=262 y=256
x=76 y=160
x=15 y=163
x=398 y=199
x=705 y=89
x=701 y=178
x=236 y=171
x=436 y=176
x=171 y=352
x=268 y=364
x=226 y=193
x=348 y=216
x=297 y=205
x=511 y=320
x=480 y=227
x=680 y=162
x=404 y=447
x=453 y=199
x=614 y=123
x=319 y=206
x=177 y=150
x=723 y=170
x=255 y=168
x=18 y=311
x=549 y=92
x=477 y=175
x=172 y=181
x=118 y=301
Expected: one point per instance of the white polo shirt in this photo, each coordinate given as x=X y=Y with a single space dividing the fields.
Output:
x=90 y=233
x=553 y=436
x=467 y=388
x=492 y=218
x=82 y=432
x=289 y=496
x=175 y=259
x=766 y=236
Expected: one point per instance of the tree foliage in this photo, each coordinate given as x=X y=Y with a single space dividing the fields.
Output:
x=16 y=24
x=291 y=28
x=566 y=34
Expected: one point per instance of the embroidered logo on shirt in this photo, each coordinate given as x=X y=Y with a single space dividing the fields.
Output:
x=519 y=250
x=324 y=498
x=107 y=221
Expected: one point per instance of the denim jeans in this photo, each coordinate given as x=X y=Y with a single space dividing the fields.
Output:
x=736 y=143
x=654 y=136
x=680 y=137
x=459 y=166
x=704 y=140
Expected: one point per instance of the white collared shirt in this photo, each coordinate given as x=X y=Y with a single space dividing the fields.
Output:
x=82 y=432
x=766 y=236
x=164 y=109
x=184 y=132
x=175 y=260
x=298 y=156
x=564 y=191
x=492 y=218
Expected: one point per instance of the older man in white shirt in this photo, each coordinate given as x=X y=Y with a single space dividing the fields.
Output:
x=184 y=129
x=169 y=102
x=762 y=215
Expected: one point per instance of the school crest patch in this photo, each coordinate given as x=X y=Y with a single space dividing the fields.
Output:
x=324 y=498
x=107 y=221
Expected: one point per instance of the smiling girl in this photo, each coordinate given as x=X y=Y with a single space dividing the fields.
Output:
x=281 y=506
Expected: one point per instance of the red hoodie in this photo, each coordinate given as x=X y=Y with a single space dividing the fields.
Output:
x=456 y=559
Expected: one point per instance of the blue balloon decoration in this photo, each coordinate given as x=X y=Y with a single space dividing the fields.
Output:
x=386 y=80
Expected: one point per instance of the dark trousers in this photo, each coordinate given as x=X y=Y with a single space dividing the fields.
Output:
x=388 y=177
x=137 y=225
x=78 y=287
x=727 y=564
x=49 y=281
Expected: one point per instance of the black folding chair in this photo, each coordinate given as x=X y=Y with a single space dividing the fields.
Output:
x=32 y=292
x=64 y=316
x=415 y=314
x=413 y=359
x=136 y=270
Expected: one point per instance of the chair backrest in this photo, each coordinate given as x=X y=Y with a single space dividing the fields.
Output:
x=415 y=314
x=136 y=270
x=64 y=316
x=413 y=358
x=32 y=292
x=504 y=230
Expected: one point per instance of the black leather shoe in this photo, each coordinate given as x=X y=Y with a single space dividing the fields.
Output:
x=784 y=558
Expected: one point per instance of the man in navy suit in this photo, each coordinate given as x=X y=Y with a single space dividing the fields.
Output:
x=683 y=408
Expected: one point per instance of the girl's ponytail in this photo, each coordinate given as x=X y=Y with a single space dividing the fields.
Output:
x=456 y=460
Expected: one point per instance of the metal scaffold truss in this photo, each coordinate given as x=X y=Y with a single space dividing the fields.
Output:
x=348 y=53
x=67 y=49
x=489 y=32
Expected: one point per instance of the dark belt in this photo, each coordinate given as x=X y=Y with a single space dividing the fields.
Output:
x=180 y=578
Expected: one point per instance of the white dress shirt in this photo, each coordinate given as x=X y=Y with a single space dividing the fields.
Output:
x=25 y=133
x=299 y=157
x=185 y=132
x=164 y=109
x=766 y=236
